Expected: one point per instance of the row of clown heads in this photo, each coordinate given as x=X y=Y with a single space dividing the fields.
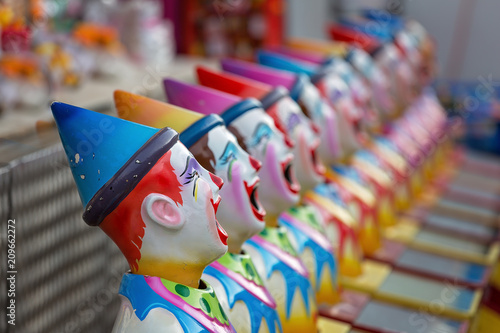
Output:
x=332 y=145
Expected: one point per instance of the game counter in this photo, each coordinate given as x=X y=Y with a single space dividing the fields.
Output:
x=380 y=281
x=409 y=232
x=366 y=314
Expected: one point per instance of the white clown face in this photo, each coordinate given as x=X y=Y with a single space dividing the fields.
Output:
x=241 y=212
x=291 y=119
x=377 y=79
x=323 y=116
x=360 y=90
x=412 y=54
x=279 y=189
x=399 y=71
x=349 y=117
x=184 y=232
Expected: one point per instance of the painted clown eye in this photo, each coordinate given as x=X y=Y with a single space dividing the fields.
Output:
x=228 y=157
x=191 y=174
x=229 y=153
x=262 y=134
x=318 y=108
x=293 y=121
x=193 y=177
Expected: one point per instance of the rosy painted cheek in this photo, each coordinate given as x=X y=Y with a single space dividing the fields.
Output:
x=332 y=133
x=237 y=190
x=209 y=212
x=305 y=154
x=205 y=193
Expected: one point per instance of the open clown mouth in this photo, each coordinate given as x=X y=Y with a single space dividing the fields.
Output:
x=253 y=195
x=319 y=168
x=291 y=183
x=222 y=233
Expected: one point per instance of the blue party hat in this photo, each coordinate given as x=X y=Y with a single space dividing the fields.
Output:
x=279 y=61
x=107 y=153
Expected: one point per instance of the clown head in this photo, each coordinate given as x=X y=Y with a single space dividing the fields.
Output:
x=217 y=150
x=242 y=214
x=376 y=78
x=389 y=58
x=333 y=89
x=350 y=117
x=302 y=91
x=288 y=117
x=325 y=118
x=146 y=192
x=257 y=133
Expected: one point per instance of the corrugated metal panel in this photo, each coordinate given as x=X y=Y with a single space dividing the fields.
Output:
x=64 y=278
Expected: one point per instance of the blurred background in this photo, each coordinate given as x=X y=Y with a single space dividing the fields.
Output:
x=79 y=52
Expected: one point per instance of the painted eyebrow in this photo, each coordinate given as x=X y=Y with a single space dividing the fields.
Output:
x=258 y=127
x=228 y=145
x=187 y=164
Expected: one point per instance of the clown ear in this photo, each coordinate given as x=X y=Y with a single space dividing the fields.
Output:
x=162 y=210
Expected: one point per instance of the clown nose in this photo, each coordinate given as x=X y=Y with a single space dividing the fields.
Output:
x=217 y=180
x=289 y=141
x=255 y=163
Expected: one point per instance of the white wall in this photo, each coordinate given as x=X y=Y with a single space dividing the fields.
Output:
x=468 y=37
x=473 y=31
x=308 y=18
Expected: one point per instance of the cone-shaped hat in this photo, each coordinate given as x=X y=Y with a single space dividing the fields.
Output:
x=198 y=98
x=309 y=56
x=232 y=84
x=191 y=125
x=259 y=73
x=150 y=112
x=279 y=61
x=328 y=48
x=103 y=152
x=351 y=36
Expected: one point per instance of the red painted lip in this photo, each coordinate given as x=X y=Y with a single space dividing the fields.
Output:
x=253 y=195
x=222 y=233
x=318 y=166
x=216 y=203
x=289 y=175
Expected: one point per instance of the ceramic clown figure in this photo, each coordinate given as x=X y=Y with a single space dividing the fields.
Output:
x=144 y=189
x=378 y=81
x=275 y=258
x=341 y=234
x=360 y=89
x=307 y=235
x=373 y=175
x=331 y=85
x=390 y=59
x=234 y=277
x=361 y=201
x=301 y=91
x=287 y=116
x=341 y=228
x=361 y=92
x=402 y=195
